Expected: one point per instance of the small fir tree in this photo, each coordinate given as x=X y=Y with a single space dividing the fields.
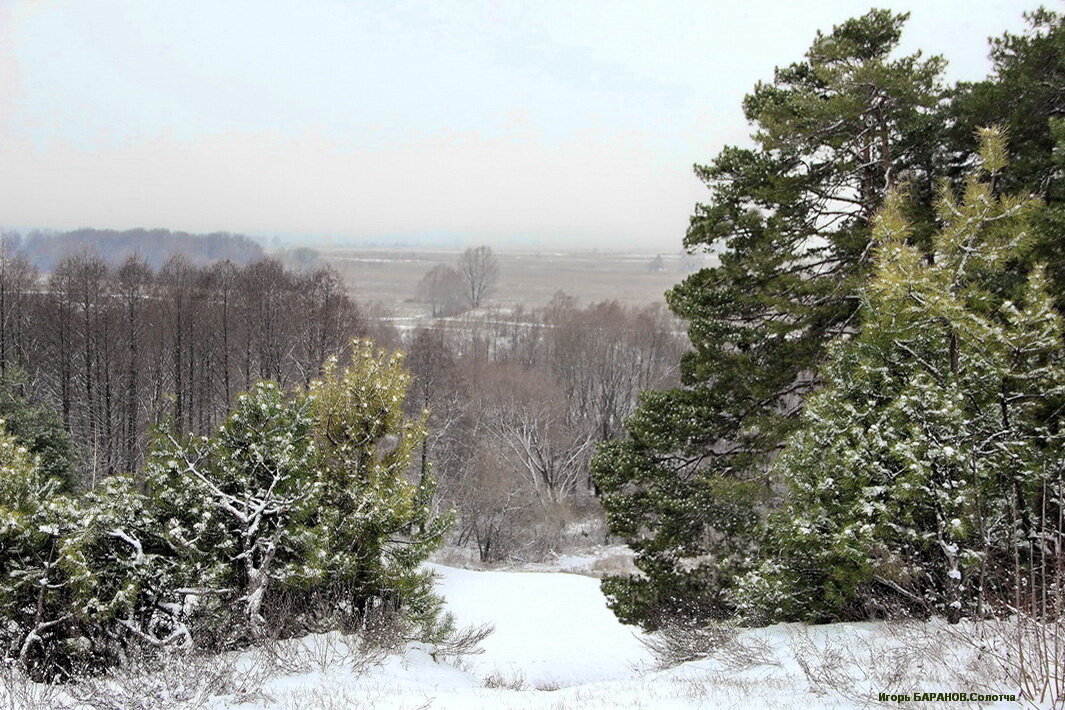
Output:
x=40 y=621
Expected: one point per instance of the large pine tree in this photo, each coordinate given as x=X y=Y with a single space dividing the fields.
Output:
x=1025 y=94
x=789 y=222
x=927 y=465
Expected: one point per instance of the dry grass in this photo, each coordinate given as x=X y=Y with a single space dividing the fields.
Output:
x=902 y=658
x=505 y=681
x=720 y=641
x=17 y=692
x=172 y=681
x=526 y=278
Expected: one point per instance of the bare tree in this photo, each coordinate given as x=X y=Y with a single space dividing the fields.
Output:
x=517 y=402
x=480 y=272
x=119 y=352
x=444 y=290
x=133 y=283
x=17 y=280
x=525 y=411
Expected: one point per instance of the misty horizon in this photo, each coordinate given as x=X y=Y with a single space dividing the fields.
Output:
x=551 y=126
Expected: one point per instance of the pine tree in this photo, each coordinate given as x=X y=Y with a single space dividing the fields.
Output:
x=135 y=584
x=789 y=221
x=1025 y=94
x=39 y=621
x=235 y=505
x=298 y=513
x=375 y=527
x=919 y=470
x=39 y=429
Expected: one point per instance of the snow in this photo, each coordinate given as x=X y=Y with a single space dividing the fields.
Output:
x=557 y=646
x=552 y=628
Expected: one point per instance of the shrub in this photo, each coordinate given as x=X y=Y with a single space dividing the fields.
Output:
x=296 y=515
x=39 y=621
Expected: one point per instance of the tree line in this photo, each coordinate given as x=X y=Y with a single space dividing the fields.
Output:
x=121 y=351
x=46 y=250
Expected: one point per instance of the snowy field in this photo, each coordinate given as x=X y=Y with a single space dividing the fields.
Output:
x=557 y=646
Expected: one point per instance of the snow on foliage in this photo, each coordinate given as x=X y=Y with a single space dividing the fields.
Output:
x=295 y=514
x=918 y=471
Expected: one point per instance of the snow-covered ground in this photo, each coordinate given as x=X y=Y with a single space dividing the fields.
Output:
x=553 y=630
x=557 y=646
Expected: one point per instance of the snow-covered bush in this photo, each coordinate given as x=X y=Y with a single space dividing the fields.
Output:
x=296 y=515
x=40 y=623
x=686 y=640
x=234 y=509
x=129 y=574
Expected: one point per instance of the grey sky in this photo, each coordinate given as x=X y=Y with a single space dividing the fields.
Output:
x=559 y=123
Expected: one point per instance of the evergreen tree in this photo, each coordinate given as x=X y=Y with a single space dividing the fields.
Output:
x=789 y=221
x=136 y=583
x=39 y=620
x=39 y=429
x=922 y=467
x=374 y=527
x=234 y=507
x=1025 y=94
x=299 y=513
x=296 y=514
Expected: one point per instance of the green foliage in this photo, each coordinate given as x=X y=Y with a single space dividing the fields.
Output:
x=38 y=427
x=375 y=526
x=39 y=623
x=297 y=514
x=127 y=573
x=1025 y=95
x=234 y=508
x=916 y=472
x=789 y=221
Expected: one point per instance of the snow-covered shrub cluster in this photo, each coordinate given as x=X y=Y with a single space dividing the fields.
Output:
x=295 y=515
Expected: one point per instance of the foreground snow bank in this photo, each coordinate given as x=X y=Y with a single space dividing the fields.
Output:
x=554 y=630
x=557 y=646
x=783 y=666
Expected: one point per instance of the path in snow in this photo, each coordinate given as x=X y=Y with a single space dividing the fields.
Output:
x=550 y=629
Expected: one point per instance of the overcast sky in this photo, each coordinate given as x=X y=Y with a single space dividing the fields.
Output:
x=568 y=123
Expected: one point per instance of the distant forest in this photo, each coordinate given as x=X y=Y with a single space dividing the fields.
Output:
x=119 y=351
x=154 y=246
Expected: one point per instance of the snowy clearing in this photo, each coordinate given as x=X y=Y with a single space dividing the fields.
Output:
x=553 y=629
x=557 y=646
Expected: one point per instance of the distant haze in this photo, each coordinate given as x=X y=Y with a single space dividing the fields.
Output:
x=553 y=123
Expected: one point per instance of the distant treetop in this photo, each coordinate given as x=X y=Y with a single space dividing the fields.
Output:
x=154 y=246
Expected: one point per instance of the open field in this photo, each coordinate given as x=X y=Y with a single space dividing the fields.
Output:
x=526 y=278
